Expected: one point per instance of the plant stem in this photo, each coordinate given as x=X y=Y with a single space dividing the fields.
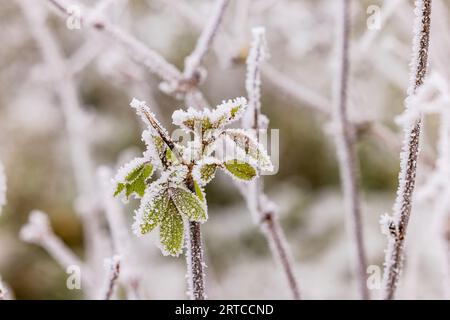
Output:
x=407 y=177
x=279 y=246
x=195 y=262
x=346 y=149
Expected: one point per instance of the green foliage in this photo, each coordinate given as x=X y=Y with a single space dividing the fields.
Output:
x=199 y=192
x=135 y=181
x=178 y=196
x=241 y=170
x=171 y=230
x=188 y=204
x=207 y=172
x=154 y=213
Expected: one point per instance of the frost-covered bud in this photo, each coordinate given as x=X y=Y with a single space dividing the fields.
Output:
x=387 y=225
x=37 y=228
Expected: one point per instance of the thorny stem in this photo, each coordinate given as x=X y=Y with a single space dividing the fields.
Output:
x=407 y=177
x=345 y=144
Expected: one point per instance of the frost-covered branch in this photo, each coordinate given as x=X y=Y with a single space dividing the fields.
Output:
x=346 y=149
x=112 y=267
x=264 y=210
x=75 y=120
x=38 y=231
x=119 y=234
x=150 y=59
x=204 y=42
x=407 y=177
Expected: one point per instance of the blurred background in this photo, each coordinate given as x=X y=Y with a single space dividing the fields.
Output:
x=34 y=140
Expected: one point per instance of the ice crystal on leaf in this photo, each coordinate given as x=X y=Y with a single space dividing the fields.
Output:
x=178 y=196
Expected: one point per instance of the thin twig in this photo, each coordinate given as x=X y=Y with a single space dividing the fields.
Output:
x=119 y=234
x=81 y=161
x=140 y=53
x=264 y=209
x=113 y=270
x=402 y=208
x=204 y=42
x=346 y=149
x=39 y=232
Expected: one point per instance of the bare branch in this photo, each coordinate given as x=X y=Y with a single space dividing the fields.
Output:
x=257 y=201
x=194 y=60
x=409 y=155
x=112 y=270
x=152 y=60
x=345 y=145
x=38 y=231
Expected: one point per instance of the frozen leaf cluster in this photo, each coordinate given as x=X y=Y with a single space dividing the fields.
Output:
x=177 y=195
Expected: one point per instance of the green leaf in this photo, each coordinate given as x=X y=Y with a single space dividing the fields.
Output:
x=135 y=173
x=241 y=170
x=155 y=212
x=119 y=189
x=137 y=186
x=159 y=144
x=207 y=172
x=235 y=110
x=251 y=147
x=135 y=181
x=188 y=204
x=171 y=231
x=199 y=191
x=171 y=156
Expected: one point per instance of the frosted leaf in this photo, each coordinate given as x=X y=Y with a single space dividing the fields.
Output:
x=222 y=115
x=128 y=168
x=228 y=112
x=188 y=119
x=154 y=212
x=199 y=192
x=241 y=170
x=154 y=191
x=2 y=187
x=155 y=148
x=188 y=204
x=251 y=147
x=171 y=231
x=205 y=170
x=132 y=177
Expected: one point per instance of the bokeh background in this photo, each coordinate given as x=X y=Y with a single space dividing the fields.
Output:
x=301 y=39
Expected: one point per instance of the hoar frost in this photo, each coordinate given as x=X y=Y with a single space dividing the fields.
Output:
x=177 y=196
